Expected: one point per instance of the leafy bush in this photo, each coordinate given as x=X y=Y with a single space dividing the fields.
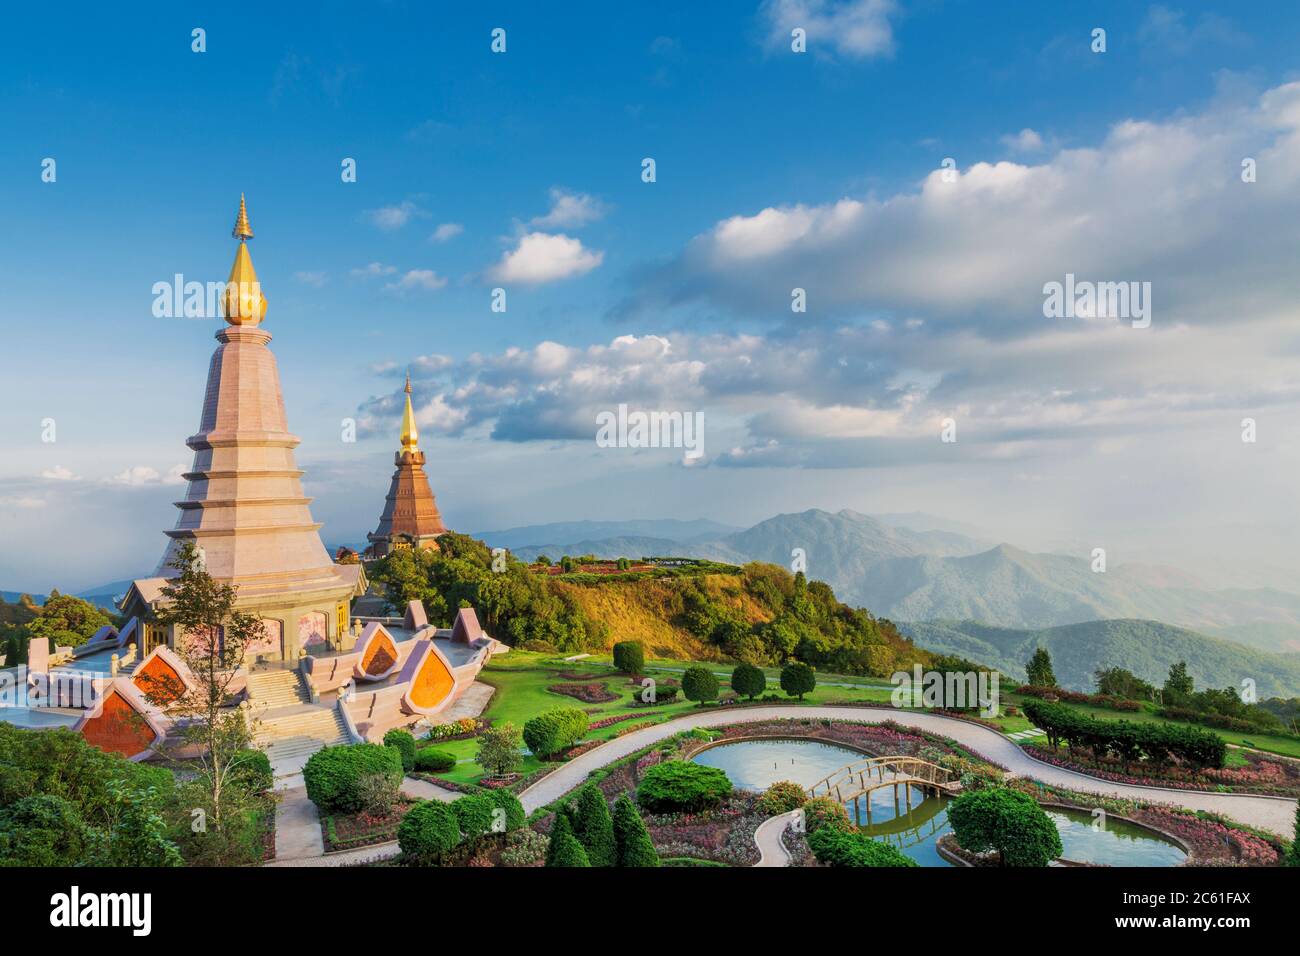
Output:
x=554 y=730
x=781 y=797
x=594 y=827
x=515 y=817
x=333 y=776
x=403 y=741
x=633 y=846
x=524 y=847
x=700 y=684
x=42 y=831
x=428 y=832
x=797 y=679
x=681 y=786
x=433 y=760
x=1008 y=821
x=629 y=657
x=377 y=794
x=820 y=812
x=253 y=771
x=474 y=815
x=835 y=847
x=748 y=680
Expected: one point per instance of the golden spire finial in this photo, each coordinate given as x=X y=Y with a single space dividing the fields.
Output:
x=244 y=302
x=410 y=435
x=242 y=229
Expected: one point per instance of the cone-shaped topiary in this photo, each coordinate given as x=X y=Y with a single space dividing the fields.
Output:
x=593 y=826
x=564 y=848
x=632 y=840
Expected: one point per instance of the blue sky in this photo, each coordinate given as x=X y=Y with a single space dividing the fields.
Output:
x=773 y=170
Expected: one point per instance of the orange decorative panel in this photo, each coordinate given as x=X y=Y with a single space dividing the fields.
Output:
x=380 y=656
x=118 y=728
x=158 y=681
x=432 y=683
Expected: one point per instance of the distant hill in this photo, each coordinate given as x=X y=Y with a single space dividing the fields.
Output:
x=565 y=533
x=1147 y=648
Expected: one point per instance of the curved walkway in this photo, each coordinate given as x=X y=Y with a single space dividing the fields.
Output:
x=771 y=850
x=1268 y=813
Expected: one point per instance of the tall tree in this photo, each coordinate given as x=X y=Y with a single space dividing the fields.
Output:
x=1039 y=671
x=211 y=638
x=1179 y=684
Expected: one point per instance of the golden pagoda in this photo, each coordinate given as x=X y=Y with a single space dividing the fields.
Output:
x=244 y=508
x=410 y=517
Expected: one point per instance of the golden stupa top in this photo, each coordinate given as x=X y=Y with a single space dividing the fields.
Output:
x=244 y=302
x=410 y=435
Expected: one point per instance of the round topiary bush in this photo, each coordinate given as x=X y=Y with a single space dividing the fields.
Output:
x=433 y=760
x=403 y=741
x=511 y=811
x=824 y=812
x=700 y=684
x=333 y=776
x=1008 y=821
x=797 y=679
x=473 y=815
x=555 y=730
x=748 y=680
x=629 y=657
x=835 y=847
x=679 y=786
x=781 y=797
x=428 y=832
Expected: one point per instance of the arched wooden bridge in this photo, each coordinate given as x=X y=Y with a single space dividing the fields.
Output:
x=859 y=779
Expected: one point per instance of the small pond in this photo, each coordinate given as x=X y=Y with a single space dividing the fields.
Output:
x=757 y=764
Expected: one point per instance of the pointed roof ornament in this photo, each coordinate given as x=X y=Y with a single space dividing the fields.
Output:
x=242 y=229
x=244 y=302
x=410 y=435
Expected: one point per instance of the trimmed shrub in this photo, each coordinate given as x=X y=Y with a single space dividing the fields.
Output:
x=428 y=832
x=835 y=847
x=433 y=760
x=1124 y=739
x=474 y=815
x=403 y=741
x=564 y=848
x=629 y=657
x=797 y=679
x=594 y=827
x=1008 y=821
x=681 y=786
x=631 y=839
x=253 y=772
x=333 y=775
x=822 y=812
x=515 y=817
x=377 y=794
x=700 y=684
x=554 y=730
x=748 y=680
x=781 y=797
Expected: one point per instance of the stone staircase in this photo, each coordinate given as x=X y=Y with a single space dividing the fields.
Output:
x=288 y=726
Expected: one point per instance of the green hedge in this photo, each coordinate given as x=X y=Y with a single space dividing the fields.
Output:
x=428 y=832
x=681 y=786
x=403 y=741
x=1158 y=743
x=835 y=847
x=629 y=657
x=554 y=730
x=433 y=760
x=333 y=775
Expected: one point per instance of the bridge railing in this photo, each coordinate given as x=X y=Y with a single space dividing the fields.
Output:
x=855 y=778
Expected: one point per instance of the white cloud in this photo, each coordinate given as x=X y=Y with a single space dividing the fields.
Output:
x=569 y=210
x=137 y=476
x=59 y=473
x=542 y=257
x=175 y=475
x=852 y=28
x=417 y=280
x=313 y=279
x=445 y=231
x=373 y=270
x=391 y=218
x=26 y=502
x=1026 y=141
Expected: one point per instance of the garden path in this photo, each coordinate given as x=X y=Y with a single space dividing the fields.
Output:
x=771 y=850
x=1275 y=814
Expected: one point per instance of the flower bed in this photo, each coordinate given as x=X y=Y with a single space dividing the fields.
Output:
x=724 y=835
x=591 y=693
x=1263 y=776
x=348 y=831
x=610 y=721
x=461 y=729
